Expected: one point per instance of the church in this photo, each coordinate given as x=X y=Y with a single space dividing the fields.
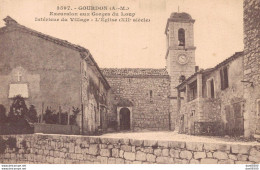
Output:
x=146 y=99
x=47 y=71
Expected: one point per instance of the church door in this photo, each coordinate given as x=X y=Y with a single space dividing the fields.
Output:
x=124 y=119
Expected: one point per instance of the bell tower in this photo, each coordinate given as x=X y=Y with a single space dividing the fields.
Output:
x=180 y=55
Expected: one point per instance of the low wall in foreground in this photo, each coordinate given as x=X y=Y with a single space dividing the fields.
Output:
x=60 y=149
x=56 y=129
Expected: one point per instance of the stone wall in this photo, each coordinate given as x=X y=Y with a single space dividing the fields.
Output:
x=49 y=70
x=251 y=65
x=94 y=100
x=149 y=111
x=60 y=149
x=214 y=109
x=208 y=109
x=58 y=74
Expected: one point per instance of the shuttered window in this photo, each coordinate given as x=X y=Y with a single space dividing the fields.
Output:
x=224 y=77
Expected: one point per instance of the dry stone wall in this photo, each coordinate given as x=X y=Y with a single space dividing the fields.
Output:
x=60 y=149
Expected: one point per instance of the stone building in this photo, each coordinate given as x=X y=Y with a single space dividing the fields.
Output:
x=49 y=72
x=44 y=70
x=180 y=55
x=139 y=98
x=252 y=67
x=149 y=96
x=226 y=99
x=213 y=100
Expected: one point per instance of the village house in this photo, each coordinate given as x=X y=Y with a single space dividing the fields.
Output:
x=225 y=99
x=49 y=72
x=213 y=100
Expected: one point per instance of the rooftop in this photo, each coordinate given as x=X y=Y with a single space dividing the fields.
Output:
x=134 y=72
x=12 y=25
x=182 y=15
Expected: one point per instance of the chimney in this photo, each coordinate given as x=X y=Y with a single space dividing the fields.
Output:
x=9 y=21
x=196 y=69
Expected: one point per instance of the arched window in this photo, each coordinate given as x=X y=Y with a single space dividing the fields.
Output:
x=182 y=78
x=181 y=37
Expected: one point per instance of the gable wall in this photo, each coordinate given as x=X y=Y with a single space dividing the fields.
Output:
x=51 y=70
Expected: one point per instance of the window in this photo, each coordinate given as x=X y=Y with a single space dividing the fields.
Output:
x=224 y=77
x=181 y=37
x=212 y=94
x=193 y=90
x=182 y=78
x=151 y=96
x=192 y=112
x=85 y=68
x=210 y=88
x=258 y=107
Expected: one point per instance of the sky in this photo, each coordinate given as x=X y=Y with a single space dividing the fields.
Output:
x=218 y=29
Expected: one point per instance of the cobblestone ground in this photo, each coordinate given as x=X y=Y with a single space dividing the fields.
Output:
x=174 y=136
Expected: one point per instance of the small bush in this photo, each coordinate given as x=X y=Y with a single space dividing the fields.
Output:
x=17 y=118
x=18 y=108
x=50 y=117
x=32 y=114
x=2 y=145
x=74 y=116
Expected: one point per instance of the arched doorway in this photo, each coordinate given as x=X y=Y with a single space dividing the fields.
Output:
x=124 y=115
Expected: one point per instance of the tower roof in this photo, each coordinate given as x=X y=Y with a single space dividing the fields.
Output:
x=179 y=17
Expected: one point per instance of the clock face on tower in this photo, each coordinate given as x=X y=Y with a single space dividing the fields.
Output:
x=182 y=59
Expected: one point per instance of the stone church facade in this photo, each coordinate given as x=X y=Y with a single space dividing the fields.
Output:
x=139 y=98
x=150 y=95
x=48 y=71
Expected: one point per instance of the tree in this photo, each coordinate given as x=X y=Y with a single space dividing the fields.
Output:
x=74 y=116
x=18 y=107
x=17 y=117
x=32 y=114
x=3 y=118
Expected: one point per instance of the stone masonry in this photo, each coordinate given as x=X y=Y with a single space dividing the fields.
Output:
x=147 y=90
x=252 y=66
x=60 y=149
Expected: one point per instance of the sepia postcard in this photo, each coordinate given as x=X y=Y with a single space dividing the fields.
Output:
x=129 y=82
